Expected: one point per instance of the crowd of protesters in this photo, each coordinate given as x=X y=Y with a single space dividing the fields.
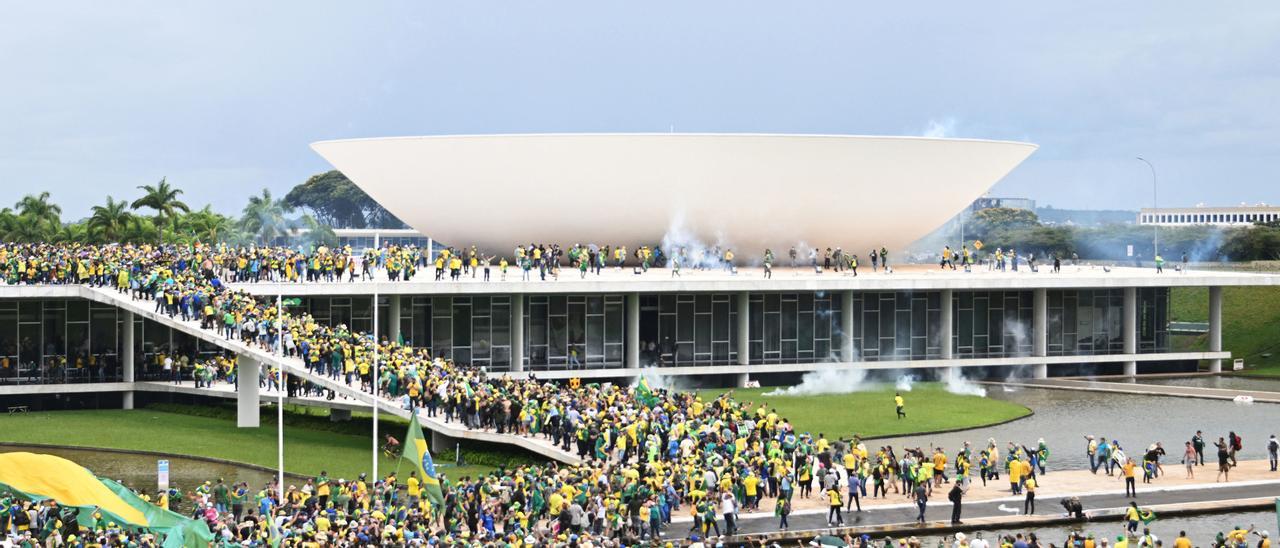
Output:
x=649 y=454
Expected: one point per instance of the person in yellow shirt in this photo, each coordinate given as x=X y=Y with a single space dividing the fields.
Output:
x=1183 y=542
x=1015 y=477
x=900 y=404
x=1130 y=488
x=1029 y=506
x=414 y=487
x=750 y=485
x=939 y=466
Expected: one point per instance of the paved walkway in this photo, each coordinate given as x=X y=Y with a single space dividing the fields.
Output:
x=1249 y=480
x=1145 y=389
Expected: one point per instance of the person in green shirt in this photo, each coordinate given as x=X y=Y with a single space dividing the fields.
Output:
x=221 y=497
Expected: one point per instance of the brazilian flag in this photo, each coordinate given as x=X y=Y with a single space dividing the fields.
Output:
x=645 y=394
x=38 y=477
x=1147 y=516
x=415 y=451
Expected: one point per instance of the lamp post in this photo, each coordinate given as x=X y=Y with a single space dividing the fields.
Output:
x=280 y=390
x=377 y=249
x=1155 y=195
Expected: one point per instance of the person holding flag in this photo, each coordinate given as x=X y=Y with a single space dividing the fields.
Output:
x=645 y=394
x=416 y=452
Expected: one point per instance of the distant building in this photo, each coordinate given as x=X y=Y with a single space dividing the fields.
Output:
x=1215 y=216
x=1050 y=215
x=363 y=238
x=988 y=202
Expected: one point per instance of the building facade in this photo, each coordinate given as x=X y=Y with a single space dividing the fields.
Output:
x=1215 y=216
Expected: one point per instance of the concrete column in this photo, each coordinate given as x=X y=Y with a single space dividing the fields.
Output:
x=846 y=327
x=1215 y=327
x=945 y=327
x=633 y=330
x=744 y=337
x=247 y=392
x=744 y=330
x=126 y=356
x=1039 y=331
x=517 y=332
x=1131 y=329
x=393 y=318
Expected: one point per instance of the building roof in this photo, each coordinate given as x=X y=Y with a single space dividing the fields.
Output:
x=741 y=191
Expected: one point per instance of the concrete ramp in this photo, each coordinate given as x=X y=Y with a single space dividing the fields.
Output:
x=295 y=367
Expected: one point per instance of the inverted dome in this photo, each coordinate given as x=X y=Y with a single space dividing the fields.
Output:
x=743 y=191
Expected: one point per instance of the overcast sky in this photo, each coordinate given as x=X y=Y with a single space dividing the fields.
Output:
x=224 y=97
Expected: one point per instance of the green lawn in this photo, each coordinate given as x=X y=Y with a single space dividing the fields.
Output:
x=871 y=413
x=1250 y=323
x=307 y=450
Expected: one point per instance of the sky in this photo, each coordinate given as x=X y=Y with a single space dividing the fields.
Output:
x=223 y=98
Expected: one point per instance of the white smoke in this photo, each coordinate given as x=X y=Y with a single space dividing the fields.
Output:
x=904 y=383
x=1021 y=334
x=825 y=381
x=939 y=129
x=680 y=243
x=656 y=381
x=956 y=383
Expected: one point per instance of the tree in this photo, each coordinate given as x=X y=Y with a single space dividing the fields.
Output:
x=335 y=201
x=207 y=225
x=264 y=217
x=988 y=221
x=110 y=221
x=163 y=199
x=29 y=229
x=38 y=206
x=1255 y=243
x=317 y=233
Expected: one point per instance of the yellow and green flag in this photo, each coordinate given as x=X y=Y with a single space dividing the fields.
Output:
x=645 y=394
x=44 y=477
x=416 y=452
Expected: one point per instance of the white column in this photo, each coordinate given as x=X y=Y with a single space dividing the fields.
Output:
x=846 y=327
x=1039 y=331
x=517 y=332
x=247 y=404
x=393 y=318
x=126 y=355
x=633 y=330
x=1131 y=329
x=744 y=328
x=1215 y=327
x=744 y=337
x=945 y=326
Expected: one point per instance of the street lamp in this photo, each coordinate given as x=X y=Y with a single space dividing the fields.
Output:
x=1155 y=225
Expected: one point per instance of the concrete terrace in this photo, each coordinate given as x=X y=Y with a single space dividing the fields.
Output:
x=751 y=279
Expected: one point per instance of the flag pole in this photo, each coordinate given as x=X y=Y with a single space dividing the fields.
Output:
x=280 y=390
x=375 y=374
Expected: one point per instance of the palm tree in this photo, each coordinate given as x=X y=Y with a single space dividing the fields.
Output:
x=207 y=225
x=71 y=233
x=317 y=233
x=140 y=229
x=163 y=199
x=30 y=229
x=38 y=206
x=110 y=221
x=264 y=217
